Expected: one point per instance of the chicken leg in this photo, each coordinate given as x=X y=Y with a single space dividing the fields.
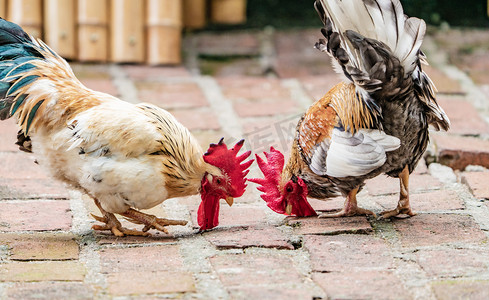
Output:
x=150 y=221
x=403 y=207
x=350 y=208
x=112 y=224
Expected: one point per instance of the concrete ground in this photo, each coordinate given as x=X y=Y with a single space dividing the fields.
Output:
x=255 y=85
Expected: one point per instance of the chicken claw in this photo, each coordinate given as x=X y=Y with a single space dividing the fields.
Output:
x=350 y=208
x=112 y=224
x=150 y=221
x=403 y=206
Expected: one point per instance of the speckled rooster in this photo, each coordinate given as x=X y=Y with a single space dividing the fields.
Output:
x=374 y=122
x=126 y=157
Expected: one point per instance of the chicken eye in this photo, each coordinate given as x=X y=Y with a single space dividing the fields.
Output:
x=289 y=189
x=218 y=181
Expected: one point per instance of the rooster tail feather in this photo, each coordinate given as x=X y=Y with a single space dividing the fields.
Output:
x=378 y=48
x=33 y=78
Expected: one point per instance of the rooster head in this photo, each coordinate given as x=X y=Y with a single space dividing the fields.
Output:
x=230 y=184
x=282 y=196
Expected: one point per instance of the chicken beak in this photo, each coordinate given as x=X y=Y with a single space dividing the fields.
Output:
x=288 y=209
x=230 y=200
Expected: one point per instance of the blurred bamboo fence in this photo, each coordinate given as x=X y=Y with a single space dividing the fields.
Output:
x=132 y=31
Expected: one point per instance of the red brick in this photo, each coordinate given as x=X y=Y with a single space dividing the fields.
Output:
x=157 y=237
x=347 y=252
x=329 y=226
x=101 y=85
x=292 y=292
x=461 y=289
x=32 y=188
x=383 y=185
x=443 y=83
x=43 y=271
x=427 y=202
x=144 y=282
x=332 y=204
x=361 y=285
x=44 y=246
x=236 y=43
x=253 y=88
x=421 y=168
x=317 y=86
x=235 y=216
x=201 y=118
x=261 y=108
x=477 y=183
x=459 y=152
x=435 y=229
x=149 y=259
x=239 y=270
x=8 y=135
x=35 y=215
x=453 y=263
x=171 y=95
x=20 y=165
x=464 y=118
x=240 y=238
x=154 y=73
x=232 y=67
x=50 y=290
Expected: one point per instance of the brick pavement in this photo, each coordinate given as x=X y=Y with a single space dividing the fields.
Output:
x=267 y=79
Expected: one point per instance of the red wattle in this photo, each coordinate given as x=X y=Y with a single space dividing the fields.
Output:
x=208 y=213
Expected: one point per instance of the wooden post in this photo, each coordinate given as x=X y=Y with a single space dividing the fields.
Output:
x=59 y=26
x=27 y=14
x=3 y=9
x=194 y=13
x=164 y=31
x=127 y=31
x=228 y=11
x=93 y=30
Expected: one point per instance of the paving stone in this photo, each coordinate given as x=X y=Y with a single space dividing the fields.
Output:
x=459 y=152
x=253 y=88
x=90 y=71
x=197 y=119
x=151 y=73
x=171 y=95
x=317 y=86
x=240 y=270
x=477 y=183
x=464 y=118
x=41 y=246
x=421 y=168
x=361 y=285
x=329 y=226
x=35 y=215
x=426 y=202
x=453 y=263
x=384 y=185
x=101 y=85
x=32 y=188
x=145 y=282
x=261 y=108
x=235 y=216
x=241 y=238
x=231 y=67
x=271 y=293
x=443 y=83
x=227 y=44
x=461 y=289
x=347 y=252
x=50 y=290
x=8 y=135
x=329 y=205
x=43 y=271
x=435 y=229
x=20 y=165
x=148 y=258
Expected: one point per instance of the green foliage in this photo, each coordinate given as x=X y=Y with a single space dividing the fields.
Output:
x=300 y=13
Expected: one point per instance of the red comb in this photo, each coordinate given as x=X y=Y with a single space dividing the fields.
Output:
x=272 y=169
x=230 y=163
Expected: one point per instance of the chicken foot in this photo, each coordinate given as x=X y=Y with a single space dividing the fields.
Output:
x=350 y=208
x=403 y=206
x=112 y=224
x=150 y=221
